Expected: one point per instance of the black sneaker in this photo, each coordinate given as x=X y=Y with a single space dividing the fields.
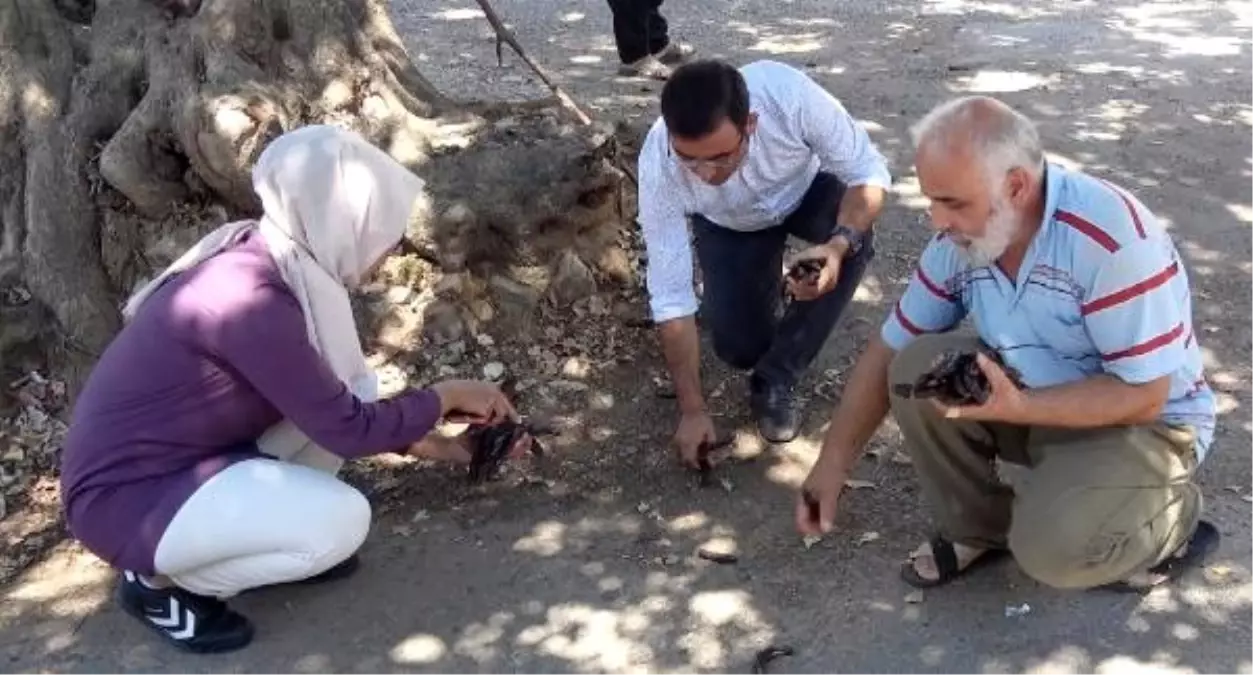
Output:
x=193 y=623
x=775 y=410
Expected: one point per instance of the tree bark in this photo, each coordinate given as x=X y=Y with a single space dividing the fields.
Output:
x=128 y=129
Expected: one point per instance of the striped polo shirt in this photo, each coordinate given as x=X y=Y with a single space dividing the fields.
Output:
x=1102 y=290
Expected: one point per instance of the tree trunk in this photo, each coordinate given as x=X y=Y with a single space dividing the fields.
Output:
x=128 y=129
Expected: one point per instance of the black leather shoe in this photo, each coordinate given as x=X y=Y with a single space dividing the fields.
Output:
x=775 y=411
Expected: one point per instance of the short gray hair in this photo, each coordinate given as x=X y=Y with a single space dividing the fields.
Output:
x=1000 y=136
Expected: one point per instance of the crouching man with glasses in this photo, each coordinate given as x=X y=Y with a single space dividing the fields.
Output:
x=747 y=157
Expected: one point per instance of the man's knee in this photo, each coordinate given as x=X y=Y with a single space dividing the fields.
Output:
x=737 y=351
x=1090 y=536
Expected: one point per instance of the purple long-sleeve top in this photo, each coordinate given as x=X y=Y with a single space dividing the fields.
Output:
x=215 y=357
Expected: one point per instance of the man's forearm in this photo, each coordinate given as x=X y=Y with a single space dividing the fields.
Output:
x=860 y=206
x=862 y=408
x=680 y=343
x=1099 y=401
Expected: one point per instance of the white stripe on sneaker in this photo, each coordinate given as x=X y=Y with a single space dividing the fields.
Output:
x=179 y=622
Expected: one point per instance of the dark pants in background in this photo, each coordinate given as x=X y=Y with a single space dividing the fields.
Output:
x=638 y=28
x=743 y=289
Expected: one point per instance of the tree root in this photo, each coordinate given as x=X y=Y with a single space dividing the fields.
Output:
x=128 y=145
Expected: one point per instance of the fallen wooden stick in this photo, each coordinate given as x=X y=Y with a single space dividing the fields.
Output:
x=503 y=33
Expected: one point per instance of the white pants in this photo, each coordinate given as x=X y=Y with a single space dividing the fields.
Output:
x=261 y=522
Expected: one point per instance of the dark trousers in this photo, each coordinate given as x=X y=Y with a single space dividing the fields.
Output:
x=639 y=29
x=743 y=289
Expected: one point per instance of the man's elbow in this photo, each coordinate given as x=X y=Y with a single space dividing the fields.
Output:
x=1153 y=396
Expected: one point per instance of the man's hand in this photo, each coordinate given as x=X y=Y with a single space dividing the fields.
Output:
x=817 y=502
x=1006 y=402
x=473 y=402
x=695 y=429
x=811 y=289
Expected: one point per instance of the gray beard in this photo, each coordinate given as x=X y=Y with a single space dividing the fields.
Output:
x=986 y=250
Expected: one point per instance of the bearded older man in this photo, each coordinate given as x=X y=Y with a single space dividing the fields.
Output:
x=1078 y=288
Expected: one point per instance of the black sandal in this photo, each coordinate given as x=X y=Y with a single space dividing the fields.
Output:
x=945 y=558
x=1203 y=542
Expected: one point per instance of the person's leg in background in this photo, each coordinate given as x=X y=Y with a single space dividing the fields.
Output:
x=642 y=36
x=260 y=522
x=805 y=326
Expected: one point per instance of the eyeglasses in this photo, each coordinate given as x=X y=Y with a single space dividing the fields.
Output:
x=726 y=160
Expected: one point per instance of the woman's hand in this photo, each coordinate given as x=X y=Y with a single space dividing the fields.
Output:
x=473 y=402
x=457 y=450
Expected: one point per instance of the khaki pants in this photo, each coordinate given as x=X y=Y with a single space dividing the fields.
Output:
x=1098 y=505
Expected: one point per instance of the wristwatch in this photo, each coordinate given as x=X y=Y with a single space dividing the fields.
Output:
x=855 y=238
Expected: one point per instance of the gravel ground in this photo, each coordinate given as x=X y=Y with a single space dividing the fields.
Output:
x=588 y=566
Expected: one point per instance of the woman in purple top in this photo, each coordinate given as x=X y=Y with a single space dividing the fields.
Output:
x=201 y=455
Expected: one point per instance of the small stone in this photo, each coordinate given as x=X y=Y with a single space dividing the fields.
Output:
x=447 y=371
x=482 y=310
x=867 y=537
x=810 y=539
x=569 y=385
x=494 y=370
x=572 y=280
x=575 y=367
x=915 y=597
x=643 y=507
x=854 y=484
x=1012 y=611
x=517 y=300
x=596 y=306
x=399 y=295
x=442 y=323
x=671 y=559
x=484 y=340
x=1248 y=498
x=421 y=515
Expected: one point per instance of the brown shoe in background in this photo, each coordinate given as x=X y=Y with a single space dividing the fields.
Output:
x=649 y=67
x=675 y=53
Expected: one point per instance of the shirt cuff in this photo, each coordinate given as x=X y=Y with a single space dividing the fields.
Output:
x=667 y=310
x=880 y=177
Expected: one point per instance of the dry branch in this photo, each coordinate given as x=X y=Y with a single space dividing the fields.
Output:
x=503 y=33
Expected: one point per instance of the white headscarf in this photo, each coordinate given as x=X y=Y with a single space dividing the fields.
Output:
x=334 y=205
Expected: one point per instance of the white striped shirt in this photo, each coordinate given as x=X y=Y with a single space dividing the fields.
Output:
x=800 y=130
x=1102 y=290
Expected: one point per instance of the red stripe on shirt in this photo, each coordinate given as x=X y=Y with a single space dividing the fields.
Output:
x=935 y=288
x=906 y=323
x=1148 y=345
x=1135 y=215
x=1092 y=231
x=1132 y=291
